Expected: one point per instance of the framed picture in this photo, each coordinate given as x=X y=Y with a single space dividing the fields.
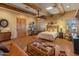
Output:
x=3 y=23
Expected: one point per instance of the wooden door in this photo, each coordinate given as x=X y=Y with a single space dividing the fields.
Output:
x=21 y=27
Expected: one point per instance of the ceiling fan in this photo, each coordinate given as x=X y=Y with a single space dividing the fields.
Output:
x=40 y=16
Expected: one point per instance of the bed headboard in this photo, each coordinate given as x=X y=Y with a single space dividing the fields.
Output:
x=52 y=28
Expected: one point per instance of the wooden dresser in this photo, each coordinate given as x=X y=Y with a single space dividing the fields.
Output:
x=4 y=36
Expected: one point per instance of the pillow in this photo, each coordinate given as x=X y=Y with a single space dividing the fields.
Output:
x=4 y=49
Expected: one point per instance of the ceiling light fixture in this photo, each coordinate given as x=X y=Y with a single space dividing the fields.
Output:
x=67 y=6
x=49 y=8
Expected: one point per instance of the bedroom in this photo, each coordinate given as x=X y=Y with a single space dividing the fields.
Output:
x=49 y=26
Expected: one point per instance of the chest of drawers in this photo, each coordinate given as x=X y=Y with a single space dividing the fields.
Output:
x=4 y=36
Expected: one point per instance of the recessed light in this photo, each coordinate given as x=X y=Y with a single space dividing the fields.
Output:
x=49 y=8
x=67 y=6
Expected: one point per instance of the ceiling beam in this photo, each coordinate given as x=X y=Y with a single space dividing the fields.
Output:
x=33 y=5
x=14 y=8
x=61 y=8
x=43 y=9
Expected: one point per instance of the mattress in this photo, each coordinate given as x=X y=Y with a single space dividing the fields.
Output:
x=48 y=35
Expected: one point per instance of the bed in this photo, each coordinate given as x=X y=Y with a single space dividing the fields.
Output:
x=48 y=35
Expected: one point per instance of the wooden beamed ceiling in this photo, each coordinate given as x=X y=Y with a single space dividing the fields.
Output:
x=37 y=7
x=14 y=8
x=32 y=5
x=61 y=8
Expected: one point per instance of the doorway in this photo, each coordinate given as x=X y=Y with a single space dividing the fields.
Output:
x=21 y=27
